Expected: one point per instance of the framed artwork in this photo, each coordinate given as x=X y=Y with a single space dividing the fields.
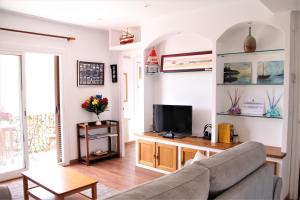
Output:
x=184 y=62
x=238 y=73
x=270 y=72
x=114 y=73
x=90 y=73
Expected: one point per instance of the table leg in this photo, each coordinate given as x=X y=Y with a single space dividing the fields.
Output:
x=94 y=191
x=25 y=188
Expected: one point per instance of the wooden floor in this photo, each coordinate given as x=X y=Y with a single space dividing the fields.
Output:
x=118 y=173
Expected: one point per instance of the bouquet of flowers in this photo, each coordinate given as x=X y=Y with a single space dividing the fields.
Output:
x=95 y=104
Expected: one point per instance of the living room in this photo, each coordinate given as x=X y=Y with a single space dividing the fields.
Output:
x=128 y=46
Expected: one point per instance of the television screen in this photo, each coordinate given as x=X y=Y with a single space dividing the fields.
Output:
x=175 y=118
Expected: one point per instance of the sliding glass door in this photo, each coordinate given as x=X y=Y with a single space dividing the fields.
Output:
x=12 y=138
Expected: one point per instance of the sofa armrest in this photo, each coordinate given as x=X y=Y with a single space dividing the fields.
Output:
x=277 y=185
x=5 y=193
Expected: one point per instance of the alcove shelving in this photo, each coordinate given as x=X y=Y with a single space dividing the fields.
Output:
x=229 y=49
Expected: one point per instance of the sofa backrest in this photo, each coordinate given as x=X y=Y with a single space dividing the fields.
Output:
x=231 y=166
x=191 y=182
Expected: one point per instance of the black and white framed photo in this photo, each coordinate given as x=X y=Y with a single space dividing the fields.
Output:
x=114 y=73
x=90 y=73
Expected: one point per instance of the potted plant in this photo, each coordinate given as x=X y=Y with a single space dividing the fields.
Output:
x=95 y=104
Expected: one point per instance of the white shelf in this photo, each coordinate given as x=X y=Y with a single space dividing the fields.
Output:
x=123 y=47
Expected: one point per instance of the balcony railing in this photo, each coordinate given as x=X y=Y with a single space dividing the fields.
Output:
x=41 y=132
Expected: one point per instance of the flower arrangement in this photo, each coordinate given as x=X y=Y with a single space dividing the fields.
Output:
x=235 y=108
x=95 y=104
x=273 y=110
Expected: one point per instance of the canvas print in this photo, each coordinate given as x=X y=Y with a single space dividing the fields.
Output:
x=270 y=72
x=90 y=73
x=195 y=61
x=238 y=73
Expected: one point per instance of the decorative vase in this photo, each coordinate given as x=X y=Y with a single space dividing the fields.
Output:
x=273 y=112
x=235 y=110
x=249 y=43
x=98 y=122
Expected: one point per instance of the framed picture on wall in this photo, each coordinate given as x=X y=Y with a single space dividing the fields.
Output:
x=90 y=73
x=184 y=62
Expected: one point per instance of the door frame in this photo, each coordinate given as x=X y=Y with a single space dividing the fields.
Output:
x=63 y=58
x=22 y=91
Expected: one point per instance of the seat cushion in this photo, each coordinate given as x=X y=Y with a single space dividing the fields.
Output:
x=231 y=166
x=5 y=193
x=191 y=182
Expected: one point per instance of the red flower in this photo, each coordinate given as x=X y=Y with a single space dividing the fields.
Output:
x=105 y=100
x=84 y=105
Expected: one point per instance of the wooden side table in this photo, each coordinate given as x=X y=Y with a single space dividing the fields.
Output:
x=84 y=133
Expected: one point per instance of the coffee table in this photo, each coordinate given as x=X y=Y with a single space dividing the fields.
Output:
x=56 y=183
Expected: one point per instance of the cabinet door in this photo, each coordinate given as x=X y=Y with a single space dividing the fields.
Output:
x=188 y=153
x=166 y=157
x=146 y=153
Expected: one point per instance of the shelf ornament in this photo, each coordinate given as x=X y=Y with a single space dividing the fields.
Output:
x=273 y=110
x=235 y=108
x=250 y=42
x=152 y=62
x=126 y=37
x=95 y=104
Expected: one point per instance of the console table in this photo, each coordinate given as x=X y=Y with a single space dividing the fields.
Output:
x=84 y=133
x=168 y=155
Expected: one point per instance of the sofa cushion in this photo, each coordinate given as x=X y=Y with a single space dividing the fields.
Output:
x=191 y=182
x=231 y=166
x=257 y=185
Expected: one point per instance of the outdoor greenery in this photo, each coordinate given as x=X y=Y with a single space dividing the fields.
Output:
x=41 y=132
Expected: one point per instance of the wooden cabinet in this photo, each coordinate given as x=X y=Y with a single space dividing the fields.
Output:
x=146 y=153
x=157 y=155
x=188 y=153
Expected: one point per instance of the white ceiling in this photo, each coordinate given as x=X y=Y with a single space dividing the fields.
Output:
x=117 y=14
x=282 y=5
x=103 y=14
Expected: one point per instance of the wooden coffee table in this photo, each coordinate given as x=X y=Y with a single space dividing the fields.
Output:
x=57 y=183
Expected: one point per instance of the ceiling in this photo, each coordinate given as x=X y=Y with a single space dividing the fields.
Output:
x=114 y=14
x=282 y=5
x=103 y=14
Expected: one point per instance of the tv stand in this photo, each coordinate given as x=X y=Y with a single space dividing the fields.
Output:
x=166 y=155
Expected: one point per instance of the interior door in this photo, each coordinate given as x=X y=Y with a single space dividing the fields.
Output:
x=13 y=151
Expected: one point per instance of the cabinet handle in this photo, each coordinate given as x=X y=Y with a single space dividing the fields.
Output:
x=157 y=156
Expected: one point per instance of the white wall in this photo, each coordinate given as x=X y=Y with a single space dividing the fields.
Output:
x=90 y=45
x=184 y=88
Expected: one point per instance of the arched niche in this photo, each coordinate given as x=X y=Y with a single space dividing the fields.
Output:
x=270 y=43
x=267 y=37
x=183 y=88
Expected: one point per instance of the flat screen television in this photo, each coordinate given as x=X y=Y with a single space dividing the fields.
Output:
x=175 y=118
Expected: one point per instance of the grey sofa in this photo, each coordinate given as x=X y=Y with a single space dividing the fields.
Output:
x=5 y=193
x=238 y=173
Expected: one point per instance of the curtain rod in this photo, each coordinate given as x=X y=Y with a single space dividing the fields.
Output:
x=35 y=33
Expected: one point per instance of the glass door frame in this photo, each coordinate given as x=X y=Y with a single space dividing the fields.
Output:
x=22 y=91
